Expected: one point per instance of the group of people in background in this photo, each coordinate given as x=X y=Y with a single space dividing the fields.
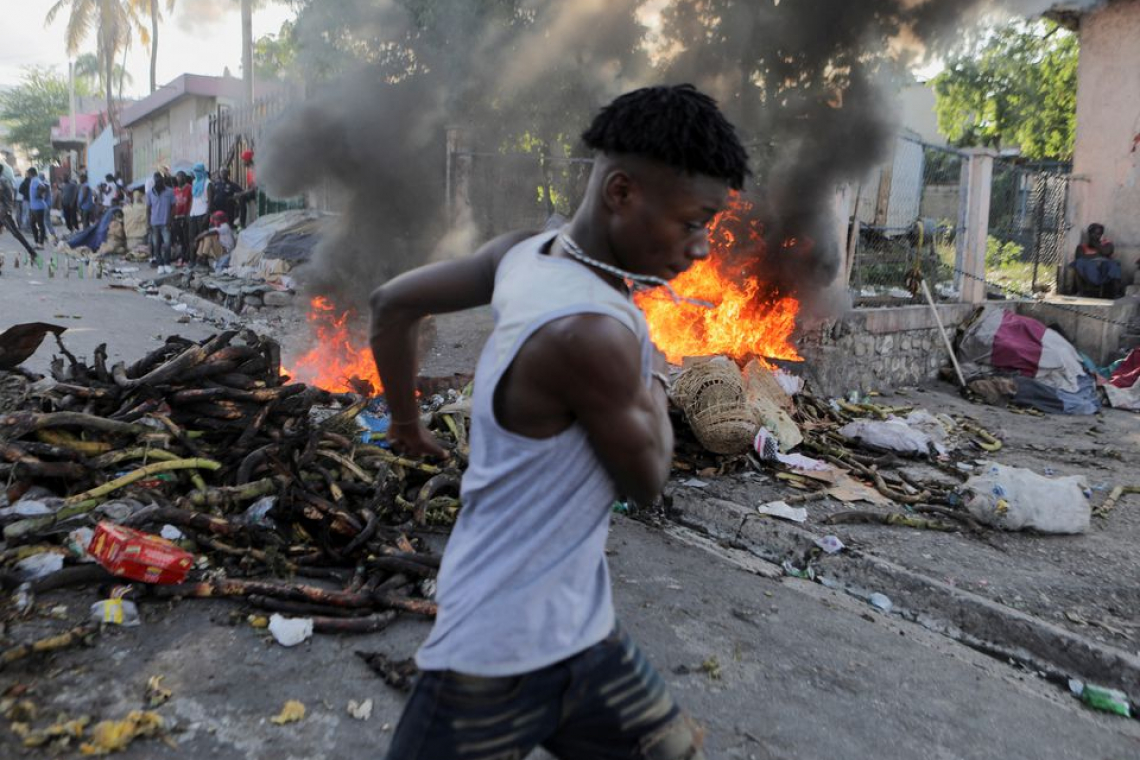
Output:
x=189 y=214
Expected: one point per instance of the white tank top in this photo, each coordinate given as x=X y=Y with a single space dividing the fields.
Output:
x=524 y=581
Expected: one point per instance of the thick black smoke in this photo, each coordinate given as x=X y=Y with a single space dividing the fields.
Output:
x=807 y=82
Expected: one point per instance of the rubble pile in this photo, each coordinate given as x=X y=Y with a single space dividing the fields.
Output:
x=254 y=478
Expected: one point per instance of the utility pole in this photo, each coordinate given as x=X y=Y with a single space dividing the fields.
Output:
x=247 y=48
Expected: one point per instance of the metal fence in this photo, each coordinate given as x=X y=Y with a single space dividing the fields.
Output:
x=906 y=226
x=233 y=130
x=1028 y=227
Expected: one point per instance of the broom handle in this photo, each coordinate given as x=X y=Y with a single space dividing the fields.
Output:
x=942 y=332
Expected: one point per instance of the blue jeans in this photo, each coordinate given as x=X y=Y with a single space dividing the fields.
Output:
x=160 y=244
x=606 y=702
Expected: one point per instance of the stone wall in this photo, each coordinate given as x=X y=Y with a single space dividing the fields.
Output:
x=878 y=349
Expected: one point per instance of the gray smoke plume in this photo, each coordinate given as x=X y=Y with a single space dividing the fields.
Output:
x=807 y=82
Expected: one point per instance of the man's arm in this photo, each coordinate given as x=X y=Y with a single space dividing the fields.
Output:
x=590 y=364
x=397 y=308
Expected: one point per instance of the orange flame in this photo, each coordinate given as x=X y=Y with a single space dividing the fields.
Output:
x=748 y=318
x=335 y=363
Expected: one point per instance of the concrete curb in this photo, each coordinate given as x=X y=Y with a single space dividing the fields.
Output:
x=963 y=615
x=207 y=308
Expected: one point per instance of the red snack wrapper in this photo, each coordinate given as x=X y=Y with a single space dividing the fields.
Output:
x=139 y=556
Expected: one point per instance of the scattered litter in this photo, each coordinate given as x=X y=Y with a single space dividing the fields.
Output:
x=881 y=601
x=156 y=693
x=791 y=384
x=847 y=490
x=77 y=542
x=830 y=544
x=139 y=556
x=894 y=434
x=695 y=483
x=360 y=710
x=39 y=565
x=290 y=631
x=113 y=735
x=292 y=712
x=170 y=533
x=27 y=508
x=807 y=573
x=1101 y=698
x=1014 y=498
x=116 y=610
x=783 y=511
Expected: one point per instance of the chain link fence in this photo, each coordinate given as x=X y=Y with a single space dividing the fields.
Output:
x=906 y=225
x=1028 y=227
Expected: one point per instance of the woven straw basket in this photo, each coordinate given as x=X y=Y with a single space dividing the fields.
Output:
x=711 y=394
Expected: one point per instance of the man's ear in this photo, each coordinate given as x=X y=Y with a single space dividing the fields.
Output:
x=618 y=191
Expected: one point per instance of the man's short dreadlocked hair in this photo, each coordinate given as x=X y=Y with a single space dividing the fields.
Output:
x=676 y=125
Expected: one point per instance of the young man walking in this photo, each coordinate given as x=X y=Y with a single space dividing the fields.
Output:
x=569 y=411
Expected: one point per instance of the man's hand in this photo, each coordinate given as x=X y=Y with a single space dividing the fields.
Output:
x=414 y=440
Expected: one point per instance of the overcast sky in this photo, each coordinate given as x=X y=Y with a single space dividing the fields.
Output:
x=201 y=37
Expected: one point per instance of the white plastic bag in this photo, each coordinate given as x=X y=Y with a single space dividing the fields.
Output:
x=290 y=631
x=892 y=434
x=1013 y=498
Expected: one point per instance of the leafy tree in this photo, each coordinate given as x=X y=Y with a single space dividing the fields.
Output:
x=113 y=21
x=274 y=55
x=33 y=107
x=1014 y=87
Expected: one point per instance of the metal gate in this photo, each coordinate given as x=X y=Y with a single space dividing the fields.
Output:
x=1028 y=227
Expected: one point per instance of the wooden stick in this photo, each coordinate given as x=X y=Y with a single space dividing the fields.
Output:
x=942 y=332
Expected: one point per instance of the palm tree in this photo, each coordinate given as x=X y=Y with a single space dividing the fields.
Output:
x=113 y=22
x=88 y=70
x=149 y=8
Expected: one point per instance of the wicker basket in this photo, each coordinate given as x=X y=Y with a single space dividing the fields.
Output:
x=711 y=394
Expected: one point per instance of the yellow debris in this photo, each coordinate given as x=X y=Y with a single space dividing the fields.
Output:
x=156 y=693
x=292 y=712
x=258 y=621
x=109 y=736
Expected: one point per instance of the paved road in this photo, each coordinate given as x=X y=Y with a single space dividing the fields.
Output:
x=803 y=673
x=92 y=310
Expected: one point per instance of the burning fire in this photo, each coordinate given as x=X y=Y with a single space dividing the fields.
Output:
x=335 y=363
x=748 y=319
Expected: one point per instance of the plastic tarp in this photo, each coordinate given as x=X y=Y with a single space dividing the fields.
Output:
x=1048 y=370
x=93 y=236
x=1123 y=388
x=268 y=235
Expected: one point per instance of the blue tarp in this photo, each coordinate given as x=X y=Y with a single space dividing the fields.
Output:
x=93 y=236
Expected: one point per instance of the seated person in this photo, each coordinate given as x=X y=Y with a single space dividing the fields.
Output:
x=1094 y=263
x=215 y=244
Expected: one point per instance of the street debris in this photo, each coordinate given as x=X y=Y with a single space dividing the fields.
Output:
x=396 y=673
x=1101 y=698
x=783 y=511
x=289 y=632
x=292 y=712
x=109 y=736
x=247 y=478
x=1013 y=498
x=881 y=602
x=360 y=710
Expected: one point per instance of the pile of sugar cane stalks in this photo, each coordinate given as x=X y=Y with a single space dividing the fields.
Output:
x=191 y=436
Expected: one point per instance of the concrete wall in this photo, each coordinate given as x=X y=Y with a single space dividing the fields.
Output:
x=1108 y=125
x=879 y=349
x=174 y=136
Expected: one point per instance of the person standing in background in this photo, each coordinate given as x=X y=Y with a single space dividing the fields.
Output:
x=179 y=225
x=36 y=196
x=250 y=193
x=24 y=195
x=160 y=203
x=85 y=203
x=69 y=203
x=201 y=198
x=226 y=193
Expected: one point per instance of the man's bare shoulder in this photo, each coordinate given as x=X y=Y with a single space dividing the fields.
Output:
x=596 y=349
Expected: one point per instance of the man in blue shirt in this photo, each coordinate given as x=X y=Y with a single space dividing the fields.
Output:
x=159 y=202
x=37 y=196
